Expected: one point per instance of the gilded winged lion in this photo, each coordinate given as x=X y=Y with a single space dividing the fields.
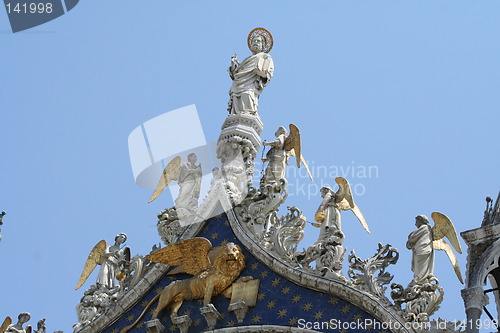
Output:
x=214 y=270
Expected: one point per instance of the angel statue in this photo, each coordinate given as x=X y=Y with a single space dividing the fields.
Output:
x=252 y=74
x=328 y=214
x=113 y=260
x=278 y=156
x=8 y=327
x=425 y=240
x=188 y=176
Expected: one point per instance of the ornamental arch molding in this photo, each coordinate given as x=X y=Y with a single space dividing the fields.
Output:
x=486 y=262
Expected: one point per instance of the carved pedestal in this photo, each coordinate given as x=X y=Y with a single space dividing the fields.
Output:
x=240 y=309
x=211 y=315
x=422 y=300
x=154 y=326
x=237 y=148
x=183 y=323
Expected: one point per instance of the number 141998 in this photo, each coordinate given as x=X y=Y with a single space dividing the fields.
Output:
x=31 y=8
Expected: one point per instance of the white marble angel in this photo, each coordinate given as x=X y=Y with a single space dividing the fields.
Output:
x=188 y=176
x=8 y=327
x=113 y=261
x=278 y=156
x=426 y=239
x=328 y=214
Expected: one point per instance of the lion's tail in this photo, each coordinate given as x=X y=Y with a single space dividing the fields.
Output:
x=128 y=328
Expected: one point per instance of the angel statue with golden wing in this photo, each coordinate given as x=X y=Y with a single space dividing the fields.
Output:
x=278 y=156
x=8 y=327
x=426 y=239
x=328 y=213
x=113 y=260
x=188 y=176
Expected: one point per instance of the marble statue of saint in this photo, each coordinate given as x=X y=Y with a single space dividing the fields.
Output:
x=189 y=187
x=251 y=75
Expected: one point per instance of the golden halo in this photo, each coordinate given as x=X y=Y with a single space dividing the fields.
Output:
x=268 y=38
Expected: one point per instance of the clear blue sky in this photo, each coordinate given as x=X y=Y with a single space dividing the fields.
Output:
x=409 y=88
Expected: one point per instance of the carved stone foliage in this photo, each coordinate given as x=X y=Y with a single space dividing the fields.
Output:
x=259 y=206
x=169 y=227
x=284 y=234
x=421 y=300
x=362 y=272
x=328 y=253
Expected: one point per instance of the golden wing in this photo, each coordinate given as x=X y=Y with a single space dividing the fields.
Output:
x=96 y=257
x=6 y=323
x=192 y=254
x=443 y=227
x=171 y=172
x=440 y=244
x=345 y=201
x=292 y=143
x=303 y=160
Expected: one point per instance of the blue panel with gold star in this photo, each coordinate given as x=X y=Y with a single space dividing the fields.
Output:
x=279 y=301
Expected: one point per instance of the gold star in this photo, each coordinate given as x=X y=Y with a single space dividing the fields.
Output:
x=116 y=330
x=285 y=290
x=254 y=266
x=158 y=290
x=275 y=282
x=293 y=321
x=144 y=303
x=140 y=325
x=263 y=274
x=226 y=223
x=296 y=298
x=230 y=323
x=256 y=319
x=187 y=313
x=282 y=313
x=357 y=317
x=224 y=242
x=171 y=277
x=346 y=308
x=214 y=235
x=271 y=304
x=261 y=296
x=333 y=300
x=222 y=315
x=343 y=330
x=131 y=317
x=196 y=322
x=172 y=328
x=318 y=315
x=307 y=306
